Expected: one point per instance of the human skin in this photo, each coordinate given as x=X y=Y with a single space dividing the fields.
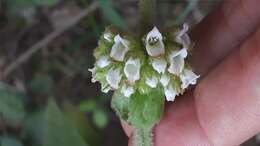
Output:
x=224 y=108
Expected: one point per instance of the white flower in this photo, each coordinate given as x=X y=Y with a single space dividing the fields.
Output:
x=132 y=70
x=177 y=63
x=182 y=37
x=119 y=49
x=154 y=43
x=188 y=78
x=151 y=82
x=170 y=93
x=93 y=74
x=113 y=78
x=159 y=65
x=165 y=79
x=108 y=36
x=127 y=90
x=103 y=61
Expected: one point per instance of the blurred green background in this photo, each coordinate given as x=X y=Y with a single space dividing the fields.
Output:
x=46 y=98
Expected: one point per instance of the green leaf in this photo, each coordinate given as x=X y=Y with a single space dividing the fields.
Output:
x=141 y=111
x=120 y=105
x=11 y=107
x=59 y=131
x=9 y=141
x=100 y=118
x=34 y=126
x=111 y=15
x=80 y=122
x=88 y=105
x=146 y=110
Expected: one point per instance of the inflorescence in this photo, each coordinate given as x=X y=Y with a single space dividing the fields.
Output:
x=158 y=61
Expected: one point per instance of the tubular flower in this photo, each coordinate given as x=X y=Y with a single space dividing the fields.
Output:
x=170 y=93
x=132 y=70
x=113 y=78
x=188 y=78
x=103 y=61
x=164 y=80
x=182 y=37
x=152 y=82
x=119 y=49
x=154 y=43
x=159 y=64
x=127 y=91
x=177 y=63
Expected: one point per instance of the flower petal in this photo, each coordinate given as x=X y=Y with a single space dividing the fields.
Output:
x=132 y=70
x=188 y=78
x=108 y=36
x=182 y=37
x=127 y=90
x=119 y=49
x=164 y=80
x=177 y=61
x=170 y=93
x=103 y=61
x=151 y=82
x=159 y=65
x=113 y=78
x=154 y=43
x=93 y=74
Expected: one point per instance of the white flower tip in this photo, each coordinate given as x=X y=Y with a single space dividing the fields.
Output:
x=159 y=65
x=170 y=93
x=188 y=78
x=154 y=43
x=182 y=37
x=151 y=82
x=183 y=53
x=93 y=74
x=127 y=90
x=132 y=70
x=154 y=33
x=185 y=27
x=177 y=61
x=108 y=36
x=119 y=49
x=164 y=80
x=113 y=78
x=103 y=61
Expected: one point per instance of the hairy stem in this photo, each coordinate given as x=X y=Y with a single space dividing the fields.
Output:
x=143 y=137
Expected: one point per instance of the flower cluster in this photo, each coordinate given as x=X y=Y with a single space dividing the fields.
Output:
x=158 y=61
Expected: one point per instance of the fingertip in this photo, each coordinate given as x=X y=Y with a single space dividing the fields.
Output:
x=127 y=129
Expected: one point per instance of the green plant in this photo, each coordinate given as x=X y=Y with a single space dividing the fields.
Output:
x=142 y=70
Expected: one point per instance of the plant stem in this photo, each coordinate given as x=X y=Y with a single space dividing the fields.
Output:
x=147 y=10
x=143 y=137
